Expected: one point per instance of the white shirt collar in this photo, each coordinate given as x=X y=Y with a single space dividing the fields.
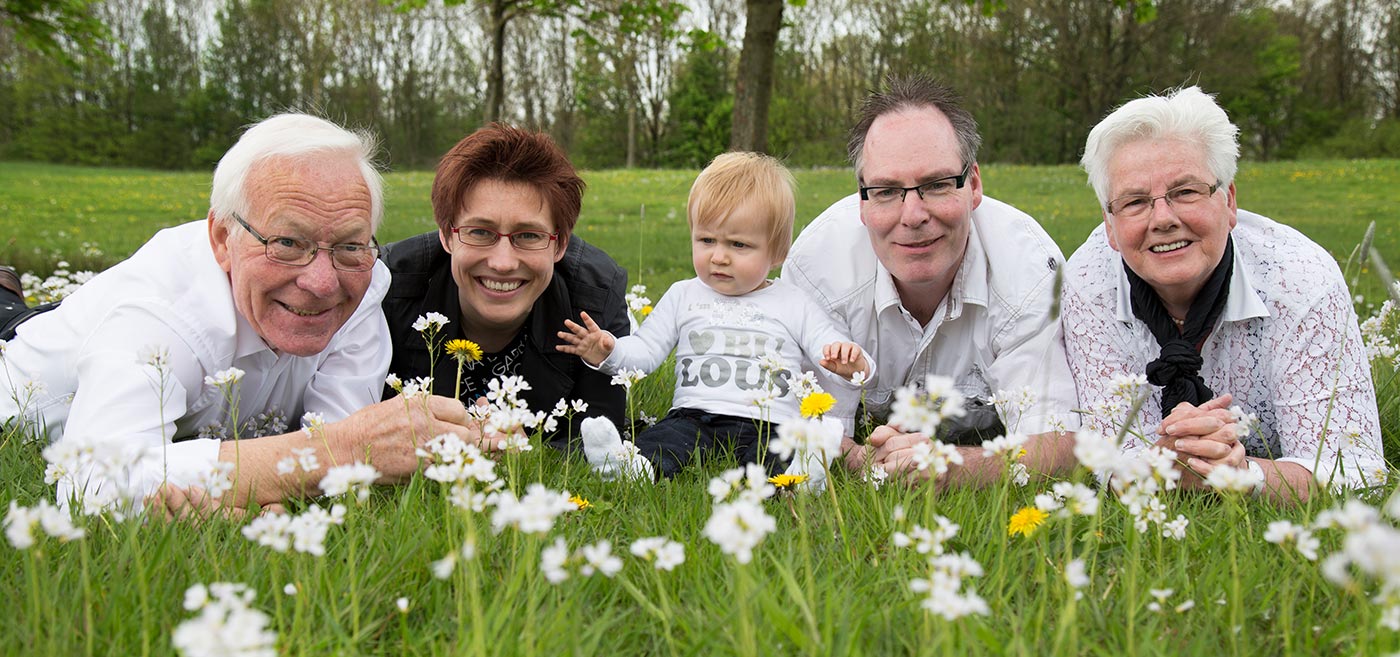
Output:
x=1242 y=303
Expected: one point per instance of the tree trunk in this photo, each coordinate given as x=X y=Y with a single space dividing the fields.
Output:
x=496 y=75
x=754 y=86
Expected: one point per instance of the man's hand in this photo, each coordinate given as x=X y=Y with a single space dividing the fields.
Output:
x=388 y=434
x=588 y=342
x=844 y=359
x=894 y=451
x=183 y=503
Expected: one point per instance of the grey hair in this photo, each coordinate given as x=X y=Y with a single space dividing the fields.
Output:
x=299 y=137
x=1187 y=114
x=913 y=93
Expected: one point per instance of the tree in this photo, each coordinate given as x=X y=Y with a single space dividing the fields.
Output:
x=753 y=86
x=51 y=27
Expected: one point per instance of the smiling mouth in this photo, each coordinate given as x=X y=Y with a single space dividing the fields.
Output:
x=1168 y=248
x=500 y=286
x=302 y=313
x=918 y=245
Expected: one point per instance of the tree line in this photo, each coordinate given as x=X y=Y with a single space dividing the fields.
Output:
x=660 y=83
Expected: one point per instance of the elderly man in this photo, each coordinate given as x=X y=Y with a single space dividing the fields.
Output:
x=133 y=376
x=1216 y=307
x=933 y=278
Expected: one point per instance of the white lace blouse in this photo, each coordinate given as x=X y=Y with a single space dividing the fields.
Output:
x=1288 y=348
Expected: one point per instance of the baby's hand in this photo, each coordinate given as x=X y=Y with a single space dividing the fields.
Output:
x=844 y=359
x=588 y=342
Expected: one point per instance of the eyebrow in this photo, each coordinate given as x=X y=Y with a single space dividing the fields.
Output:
x=890 y=182
x=1177 y=182
x=495 y=224
x=292 y=227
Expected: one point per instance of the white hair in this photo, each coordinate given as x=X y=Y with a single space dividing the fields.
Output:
x=1188 y=114
x=300 y=137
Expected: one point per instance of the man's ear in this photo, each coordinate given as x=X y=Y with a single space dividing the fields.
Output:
x=219 y=236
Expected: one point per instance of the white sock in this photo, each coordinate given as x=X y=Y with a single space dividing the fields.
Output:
x=609 y=455
x=807 y=463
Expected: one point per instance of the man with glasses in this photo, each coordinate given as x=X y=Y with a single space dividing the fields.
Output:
x=505 y=269
x=934 y=279
x=1243 y=326
x=188 y=368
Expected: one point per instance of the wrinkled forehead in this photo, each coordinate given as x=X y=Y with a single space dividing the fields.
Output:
x=309 y=194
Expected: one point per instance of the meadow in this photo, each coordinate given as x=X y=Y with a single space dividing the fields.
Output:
x=845 y=572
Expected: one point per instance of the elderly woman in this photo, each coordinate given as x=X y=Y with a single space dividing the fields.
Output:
x=1243 y=326
x=506 y=270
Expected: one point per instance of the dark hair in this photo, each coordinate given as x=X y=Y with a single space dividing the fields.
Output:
x=508 y=154
x=909 y=93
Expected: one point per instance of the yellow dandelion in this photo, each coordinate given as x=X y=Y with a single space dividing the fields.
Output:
x=464 y=350
x=580 y=502
x=1026 y=521
x=787 y=480
x=817 y=404
x=646 y=310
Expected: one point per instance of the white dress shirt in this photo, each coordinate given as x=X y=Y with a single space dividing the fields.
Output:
x=91 y=361
x=995 y=331
x=1287 y=348
x=721 y=342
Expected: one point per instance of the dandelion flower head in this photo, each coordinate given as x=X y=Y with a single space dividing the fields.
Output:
x=1026 y=521
x=464 y=350
x=817 y=404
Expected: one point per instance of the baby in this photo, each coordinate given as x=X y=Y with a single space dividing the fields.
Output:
x=729 y=326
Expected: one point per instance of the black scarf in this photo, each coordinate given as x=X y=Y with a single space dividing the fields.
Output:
x=1178 y=367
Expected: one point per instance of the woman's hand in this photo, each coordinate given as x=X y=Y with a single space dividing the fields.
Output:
x=1203 y=437
x=588 y=342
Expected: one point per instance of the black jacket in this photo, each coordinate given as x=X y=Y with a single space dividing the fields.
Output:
x=586 y=279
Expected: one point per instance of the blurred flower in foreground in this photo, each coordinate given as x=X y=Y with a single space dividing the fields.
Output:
x=227 y=625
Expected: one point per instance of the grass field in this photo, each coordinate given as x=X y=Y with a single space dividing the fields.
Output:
x=833 y=578
x=47 y=212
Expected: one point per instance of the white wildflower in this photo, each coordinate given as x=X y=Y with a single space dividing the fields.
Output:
x=599 y=558
x=664 y=553
x=429 y=322
x=1283 y=532
x=738 y=527
x=534 y=513
x=353 y=477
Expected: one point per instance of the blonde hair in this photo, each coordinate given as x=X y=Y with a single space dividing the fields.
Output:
x=733 y=179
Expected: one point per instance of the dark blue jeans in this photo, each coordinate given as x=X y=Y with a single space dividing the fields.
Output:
x=688 y=434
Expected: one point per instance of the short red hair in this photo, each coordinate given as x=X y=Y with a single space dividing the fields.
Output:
x=508 y=154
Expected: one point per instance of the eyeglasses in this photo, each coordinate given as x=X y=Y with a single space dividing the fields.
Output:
x=298 y=252
x=1137 y=206
x=931 y=190
x=525 y=240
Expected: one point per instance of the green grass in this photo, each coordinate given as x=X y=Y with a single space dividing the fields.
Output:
x=48 y=211
x=824 y=583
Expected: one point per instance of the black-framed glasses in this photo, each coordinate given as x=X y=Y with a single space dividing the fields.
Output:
x=1137 y=206
x=932 y=189
x=300 y=252
x=525 y=240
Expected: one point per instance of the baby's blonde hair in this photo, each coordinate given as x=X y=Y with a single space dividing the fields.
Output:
x=733 y=179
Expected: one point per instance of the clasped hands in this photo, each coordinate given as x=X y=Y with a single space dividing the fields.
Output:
x=1203 y=438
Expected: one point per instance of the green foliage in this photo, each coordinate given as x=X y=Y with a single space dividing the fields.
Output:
x=701 y=102
x=64 y=30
